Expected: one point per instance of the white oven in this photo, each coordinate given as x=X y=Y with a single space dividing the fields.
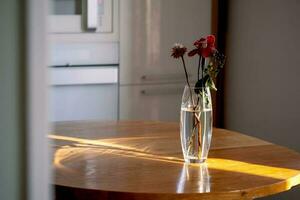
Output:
x=84 y=59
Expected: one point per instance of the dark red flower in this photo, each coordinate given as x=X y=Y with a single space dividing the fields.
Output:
x=200 y=43
x=178 y=50
x=204 y=47
x=211 y=40
x=194 y=52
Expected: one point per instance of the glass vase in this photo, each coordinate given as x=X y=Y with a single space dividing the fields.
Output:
x=192 y=176
x=196 y=124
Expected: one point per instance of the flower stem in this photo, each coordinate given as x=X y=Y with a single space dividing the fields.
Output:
x=186 y=75
x=202 y=69
x=199 y=67
x=187 y=78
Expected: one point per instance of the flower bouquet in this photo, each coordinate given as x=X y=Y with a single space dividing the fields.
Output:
x=196 y=107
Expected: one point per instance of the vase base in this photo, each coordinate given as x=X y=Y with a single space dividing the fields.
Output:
x=195 y=160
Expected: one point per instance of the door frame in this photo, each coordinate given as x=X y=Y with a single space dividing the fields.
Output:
x=37 y=146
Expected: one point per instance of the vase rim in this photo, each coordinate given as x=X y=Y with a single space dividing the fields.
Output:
x=196 y=87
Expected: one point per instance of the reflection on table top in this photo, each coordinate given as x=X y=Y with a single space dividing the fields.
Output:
x=143 y=160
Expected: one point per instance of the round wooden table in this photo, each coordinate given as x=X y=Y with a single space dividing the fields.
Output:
x=143 y=160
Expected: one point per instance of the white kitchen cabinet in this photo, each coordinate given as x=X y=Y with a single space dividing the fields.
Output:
x=151 y=102
x=151 y=81
x=149 y=29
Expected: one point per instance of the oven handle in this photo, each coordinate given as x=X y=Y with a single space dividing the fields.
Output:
x=92 y=14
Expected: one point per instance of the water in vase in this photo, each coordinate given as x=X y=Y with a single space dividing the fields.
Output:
x=196 y=133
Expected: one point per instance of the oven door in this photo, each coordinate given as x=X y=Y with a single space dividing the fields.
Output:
x=84 y=17
x=83 y=93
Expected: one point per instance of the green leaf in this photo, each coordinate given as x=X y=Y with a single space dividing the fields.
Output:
x=211 y=84
x=201 y=83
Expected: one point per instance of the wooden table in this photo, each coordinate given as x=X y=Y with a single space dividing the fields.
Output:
x=143 y=160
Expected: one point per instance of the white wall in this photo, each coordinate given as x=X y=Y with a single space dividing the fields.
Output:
x=23 y=143
x=263 y=71
x=12 y=149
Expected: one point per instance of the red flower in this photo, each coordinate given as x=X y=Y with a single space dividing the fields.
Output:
x=178 y=50
x=204 y=47
x=211 y=40
x=200 y=43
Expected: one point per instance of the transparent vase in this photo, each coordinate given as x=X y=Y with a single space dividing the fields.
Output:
x=192 y=176
x=196 y=124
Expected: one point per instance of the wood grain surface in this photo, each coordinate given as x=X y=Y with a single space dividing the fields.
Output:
x=143 y=160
